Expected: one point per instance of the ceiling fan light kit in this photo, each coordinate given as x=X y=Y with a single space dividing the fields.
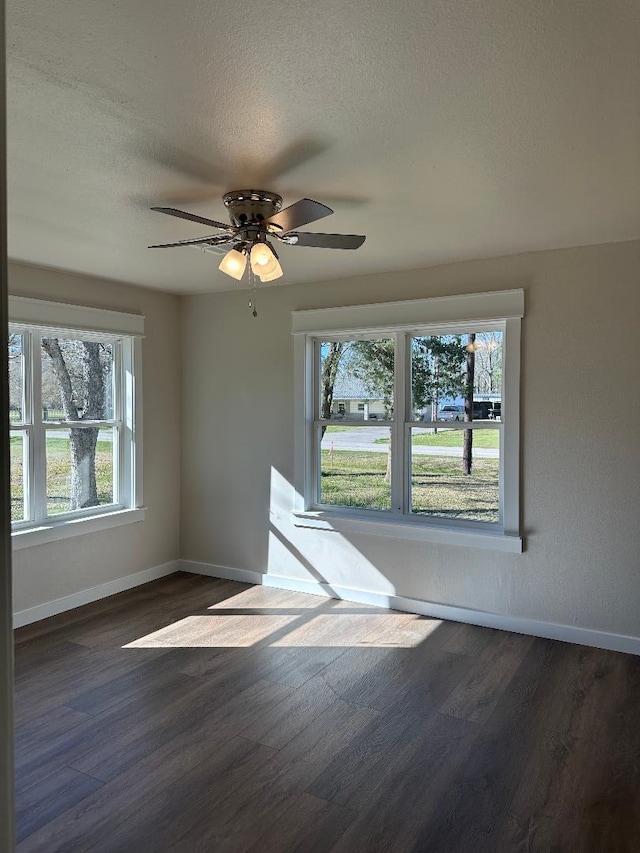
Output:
x=234 y=264
x=256 y=218
x=263 y=260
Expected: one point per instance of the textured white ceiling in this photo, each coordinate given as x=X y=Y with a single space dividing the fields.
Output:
x=441 y=129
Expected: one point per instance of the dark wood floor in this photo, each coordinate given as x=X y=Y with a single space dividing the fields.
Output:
x=194 y=714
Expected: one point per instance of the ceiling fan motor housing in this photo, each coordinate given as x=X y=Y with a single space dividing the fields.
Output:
x=251 y=207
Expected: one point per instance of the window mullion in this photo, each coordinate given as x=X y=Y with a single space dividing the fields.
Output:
x=510 y=431
x=38 y=441
x=126 y=432
x=398 y=463
x=316 y=409
x=116 y=430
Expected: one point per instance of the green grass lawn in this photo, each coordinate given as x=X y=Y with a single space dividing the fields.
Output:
x=356 y=479
x=59 y=475
x=489 y=438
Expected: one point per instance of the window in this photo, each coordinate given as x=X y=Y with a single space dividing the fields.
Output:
x=440 y=459
x=74 y=419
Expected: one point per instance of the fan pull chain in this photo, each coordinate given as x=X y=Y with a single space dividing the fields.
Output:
x=253 y=290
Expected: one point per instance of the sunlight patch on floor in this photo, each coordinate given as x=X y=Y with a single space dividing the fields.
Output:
x=263 y=597
x=214 y=632
x=293 y=630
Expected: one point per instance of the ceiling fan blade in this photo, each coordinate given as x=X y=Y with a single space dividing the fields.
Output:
x=301 y=213
x=325 y=241
x=214 y=240
x=193 y=217
x=334 y=200
x=214 y=249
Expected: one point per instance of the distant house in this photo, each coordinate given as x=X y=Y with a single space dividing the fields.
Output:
x=352 y=399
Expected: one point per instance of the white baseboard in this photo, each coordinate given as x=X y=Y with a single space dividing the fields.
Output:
x=533 y=627
x=224 y=572
x=86 y=596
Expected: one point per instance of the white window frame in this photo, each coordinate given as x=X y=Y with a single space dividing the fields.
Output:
x=441 y=315
x=34 y=319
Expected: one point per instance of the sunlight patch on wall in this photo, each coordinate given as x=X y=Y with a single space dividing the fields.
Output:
x=324 y=557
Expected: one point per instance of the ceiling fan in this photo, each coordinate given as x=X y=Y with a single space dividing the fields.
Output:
x=257 y=218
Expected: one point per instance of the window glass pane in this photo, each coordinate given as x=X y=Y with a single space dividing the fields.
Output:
x=439 y=484
x=444 y=368
x=77 y=380
x=16 y=378
x=355 y=467
x=80 y=466
x=18 y=447
x=356 y=380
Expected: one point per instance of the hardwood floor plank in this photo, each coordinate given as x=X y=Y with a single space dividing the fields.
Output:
x=476 y=694
x=223 y=668
x=380 y=651
x=145 y=681
x=468 y=640
x=39 y=656
x=405 y=787
x=280 y=723
x=300 y=665
x=305 y=823
x=582 y=779
x=242 y=709
x=421 y=677
x=166 y=819
x=55 y=794
x=34 y=735
x=62 y=687
x=231 y=818
x=348 y=777
x=125 y=746
x=291 y=667
x=208 y=807
x=331 y=731
x=108 y=730
x=471 y=812
x=169 y=779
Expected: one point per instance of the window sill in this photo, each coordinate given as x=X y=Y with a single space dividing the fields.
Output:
x=54 y=530
x=343 y=523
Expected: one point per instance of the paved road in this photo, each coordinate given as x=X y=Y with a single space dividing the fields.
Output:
x=364 y=440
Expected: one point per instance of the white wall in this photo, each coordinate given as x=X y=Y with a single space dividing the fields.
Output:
x=59 y=569
x=580 y=443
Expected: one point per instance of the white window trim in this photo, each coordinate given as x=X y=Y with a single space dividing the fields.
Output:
x=500 y=307
x=55 y=530
x=77 y=318
x=27 y=314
